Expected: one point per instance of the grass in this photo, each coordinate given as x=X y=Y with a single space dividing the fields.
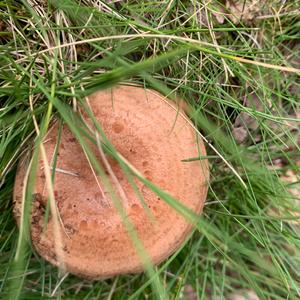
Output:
x=53 y=53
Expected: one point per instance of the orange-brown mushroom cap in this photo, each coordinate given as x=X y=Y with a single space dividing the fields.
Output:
x=154 y=137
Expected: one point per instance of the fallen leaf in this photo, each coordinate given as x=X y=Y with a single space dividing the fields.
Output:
x=216 y=11
x=293 y=179
x=245 y=11
x=189 y=293
x=240 y=134
x=244 y=122
x=243 y=295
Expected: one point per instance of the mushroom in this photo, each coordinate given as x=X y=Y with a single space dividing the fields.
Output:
x=155 y=137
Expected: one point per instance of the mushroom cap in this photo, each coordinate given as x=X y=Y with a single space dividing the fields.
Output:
x=154 y=136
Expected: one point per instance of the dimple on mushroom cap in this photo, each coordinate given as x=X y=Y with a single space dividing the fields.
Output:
x=154 y=137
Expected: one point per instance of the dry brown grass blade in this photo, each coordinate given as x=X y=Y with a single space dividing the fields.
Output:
x=171 y=37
